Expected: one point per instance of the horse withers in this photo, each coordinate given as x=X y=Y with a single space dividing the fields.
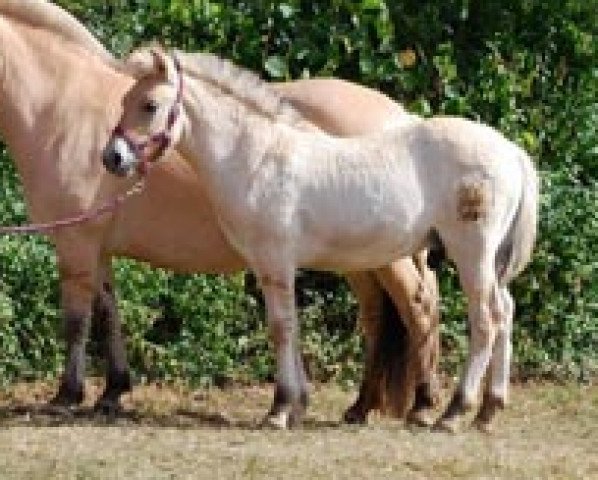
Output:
x=289 y=195
x=60 y=97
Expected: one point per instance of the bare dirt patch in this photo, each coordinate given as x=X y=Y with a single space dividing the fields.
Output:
x=548 y=431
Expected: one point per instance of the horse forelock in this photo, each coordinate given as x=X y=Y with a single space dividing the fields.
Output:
x=240 y=84
x=52 y=18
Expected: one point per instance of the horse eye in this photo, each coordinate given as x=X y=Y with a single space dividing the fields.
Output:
x=150 y=107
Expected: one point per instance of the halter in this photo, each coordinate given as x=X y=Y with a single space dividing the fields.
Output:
x=162 y=139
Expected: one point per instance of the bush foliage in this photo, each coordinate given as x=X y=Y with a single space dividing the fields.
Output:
x=527 y=67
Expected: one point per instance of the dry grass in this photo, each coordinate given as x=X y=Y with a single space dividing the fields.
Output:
x=548 y=432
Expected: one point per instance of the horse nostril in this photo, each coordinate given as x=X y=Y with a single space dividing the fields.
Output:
x=112 y=159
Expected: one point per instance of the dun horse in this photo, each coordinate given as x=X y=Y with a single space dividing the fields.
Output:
x=288 y=195
x=60 y=97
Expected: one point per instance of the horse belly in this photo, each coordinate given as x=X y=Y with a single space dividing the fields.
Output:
x=360 y=238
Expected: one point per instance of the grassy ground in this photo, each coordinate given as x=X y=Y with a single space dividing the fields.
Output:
x=548 y=432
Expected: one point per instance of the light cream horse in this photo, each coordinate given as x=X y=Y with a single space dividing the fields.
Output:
x=60 y=97
x=288 y=195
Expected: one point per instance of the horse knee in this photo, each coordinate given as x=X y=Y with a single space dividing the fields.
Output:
x=279 y=332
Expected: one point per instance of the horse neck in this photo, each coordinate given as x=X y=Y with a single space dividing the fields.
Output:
x=44 y=99
x=30 y=85
x=216 y=126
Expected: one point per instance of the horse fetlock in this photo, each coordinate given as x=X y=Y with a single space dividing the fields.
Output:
x=69 y=393
x=76 y=327
x=454 y=415
x=119 y=382
x=427 y=394
x=491 y=405
x=282 y=417
x=287 y=408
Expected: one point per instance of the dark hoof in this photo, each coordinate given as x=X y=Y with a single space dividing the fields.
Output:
x=67 y=397
x=117 y=384
x=108 y=407
x=485 y=417
x=57 y=409
x=453 y=418
x=355 y=416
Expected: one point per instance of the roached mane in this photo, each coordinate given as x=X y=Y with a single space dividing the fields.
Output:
x=239 y=83
x=51 y=17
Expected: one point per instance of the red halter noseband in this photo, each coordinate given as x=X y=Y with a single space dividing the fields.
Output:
x=162 y=139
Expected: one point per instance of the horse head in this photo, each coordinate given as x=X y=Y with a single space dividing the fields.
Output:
x=151 y=120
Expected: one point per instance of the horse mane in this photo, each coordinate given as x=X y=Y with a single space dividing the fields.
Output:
x=51 y=17
x=239 y=83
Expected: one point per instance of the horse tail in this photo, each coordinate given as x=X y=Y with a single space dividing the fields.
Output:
x=516 y=248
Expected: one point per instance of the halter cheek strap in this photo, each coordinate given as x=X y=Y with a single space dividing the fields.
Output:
x=161 y=140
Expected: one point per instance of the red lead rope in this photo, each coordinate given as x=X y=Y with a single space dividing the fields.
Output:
x=49 y=227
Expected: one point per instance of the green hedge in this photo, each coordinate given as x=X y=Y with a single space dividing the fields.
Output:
x=528 y=67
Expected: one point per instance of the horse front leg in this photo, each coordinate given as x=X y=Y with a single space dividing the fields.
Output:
x=78 y=274
x=107 y=318
x=291 y=395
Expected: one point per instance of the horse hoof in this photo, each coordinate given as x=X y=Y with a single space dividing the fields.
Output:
x=57 y=409
x=447 y=425
x=420 y=418
x=67 y=398
x=107 y=407
x=484 y=426
x=354 y=417
x=277 y=421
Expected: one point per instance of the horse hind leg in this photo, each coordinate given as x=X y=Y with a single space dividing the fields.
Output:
x=416 y=296
x=495 y=396
x=370 y=298
x=478 y=280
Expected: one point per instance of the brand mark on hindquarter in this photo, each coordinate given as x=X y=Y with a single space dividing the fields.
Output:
x=473 y=200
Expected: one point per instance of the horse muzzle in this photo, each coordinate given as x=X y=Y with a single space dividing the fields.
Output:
x=118 y=158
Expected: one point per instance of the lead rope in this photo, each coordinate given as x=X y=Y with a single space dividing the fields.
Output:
x=49 y=227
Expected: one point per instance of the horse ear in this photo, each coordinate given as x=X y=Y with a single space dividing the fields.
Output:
x=148 y=61
x=160 y=61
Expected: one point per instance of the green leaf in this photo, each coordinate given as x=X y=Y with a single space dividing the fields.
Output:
x=276 y=66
